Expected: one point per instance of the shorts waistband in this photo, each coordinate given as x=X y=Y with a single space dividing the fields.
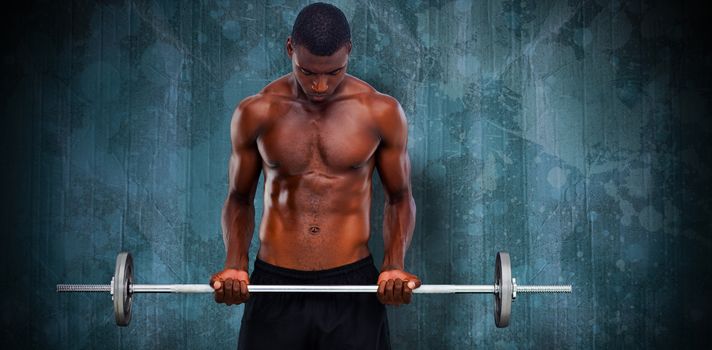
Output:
x=317 y=274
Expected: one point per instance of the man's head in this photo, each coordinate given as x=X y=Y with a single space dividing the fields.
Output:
x=319 y=47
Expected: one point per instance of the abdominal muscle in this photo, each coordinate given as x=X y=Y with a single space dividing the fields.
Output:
x=315 y=221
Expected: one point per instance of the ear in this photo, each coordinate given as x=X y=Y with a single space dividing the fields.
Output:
x=290 y=47
x=348 y=48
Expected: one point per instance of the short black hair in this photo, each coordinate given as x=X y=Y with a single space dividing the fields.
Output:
x=321 y=28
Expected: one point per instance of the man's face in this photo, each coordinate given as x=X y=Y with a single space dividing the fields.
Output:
x=318 y=76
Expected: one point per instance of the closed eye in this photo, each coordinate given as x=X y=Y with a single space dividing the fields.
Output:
x=333 y=72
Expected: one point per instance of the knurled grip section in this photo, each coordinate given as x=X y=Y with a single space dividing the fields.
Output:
x=544 y=289
x=84 y=288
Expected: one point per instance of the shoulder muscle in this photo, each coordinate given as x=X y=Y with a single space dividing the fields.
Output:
x=390 y=120
x=248 y=119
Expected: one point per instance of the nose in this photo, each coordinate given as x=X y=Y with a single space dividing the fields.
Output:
x=319 y=86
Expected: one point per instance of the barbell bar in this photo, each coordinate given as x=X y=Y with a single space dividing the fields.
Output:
x=122 y=288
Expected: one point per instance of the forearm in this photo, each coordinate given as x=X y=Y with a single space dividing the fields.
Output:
x=238 y=223
x=398 y=225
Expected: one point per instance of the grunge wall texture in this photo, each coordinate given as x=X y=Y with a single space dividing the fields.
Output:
x=573 y=134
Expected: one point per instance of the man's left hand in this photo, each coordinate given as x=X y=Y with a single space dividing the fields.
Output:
x=395 y=287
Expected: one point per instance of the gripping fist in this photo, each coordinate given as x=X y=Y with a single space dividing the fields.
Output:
x=230 y=286
x=395 y=287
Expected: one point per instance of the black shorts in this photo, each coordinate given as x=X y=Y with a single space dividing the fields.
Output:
x=314 y=320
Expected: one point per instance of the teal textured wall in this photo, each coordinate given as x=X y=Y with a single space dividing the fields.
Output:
x=573 y=134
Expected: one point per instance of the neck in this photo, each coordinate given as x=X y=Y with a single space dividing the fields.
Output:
x=300 y=95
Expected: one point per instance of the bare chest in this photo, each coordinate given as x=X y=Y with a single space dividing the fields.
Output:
x=333 y=140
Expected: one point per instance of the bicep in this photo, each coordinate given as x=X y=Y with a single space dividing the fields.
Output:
x=244 y=172
x=392 y=159
x=245 y=160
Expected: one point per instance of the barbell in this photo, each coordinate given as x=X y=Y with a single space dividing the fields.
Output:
x=122 y=288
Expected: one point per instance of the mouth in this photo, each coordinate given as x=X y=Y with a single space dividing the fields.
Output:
x=318 y=97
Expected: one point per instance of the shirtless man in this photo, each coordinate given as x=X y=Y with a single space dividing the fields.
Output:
x=317 y=134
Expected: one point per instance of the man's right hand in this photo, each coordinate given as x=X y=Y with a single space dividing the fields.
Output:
x=230 y=286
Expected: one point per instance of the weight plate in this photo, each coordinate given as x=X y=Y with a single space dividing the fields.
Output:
x=123 y=278
x=503 y=299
